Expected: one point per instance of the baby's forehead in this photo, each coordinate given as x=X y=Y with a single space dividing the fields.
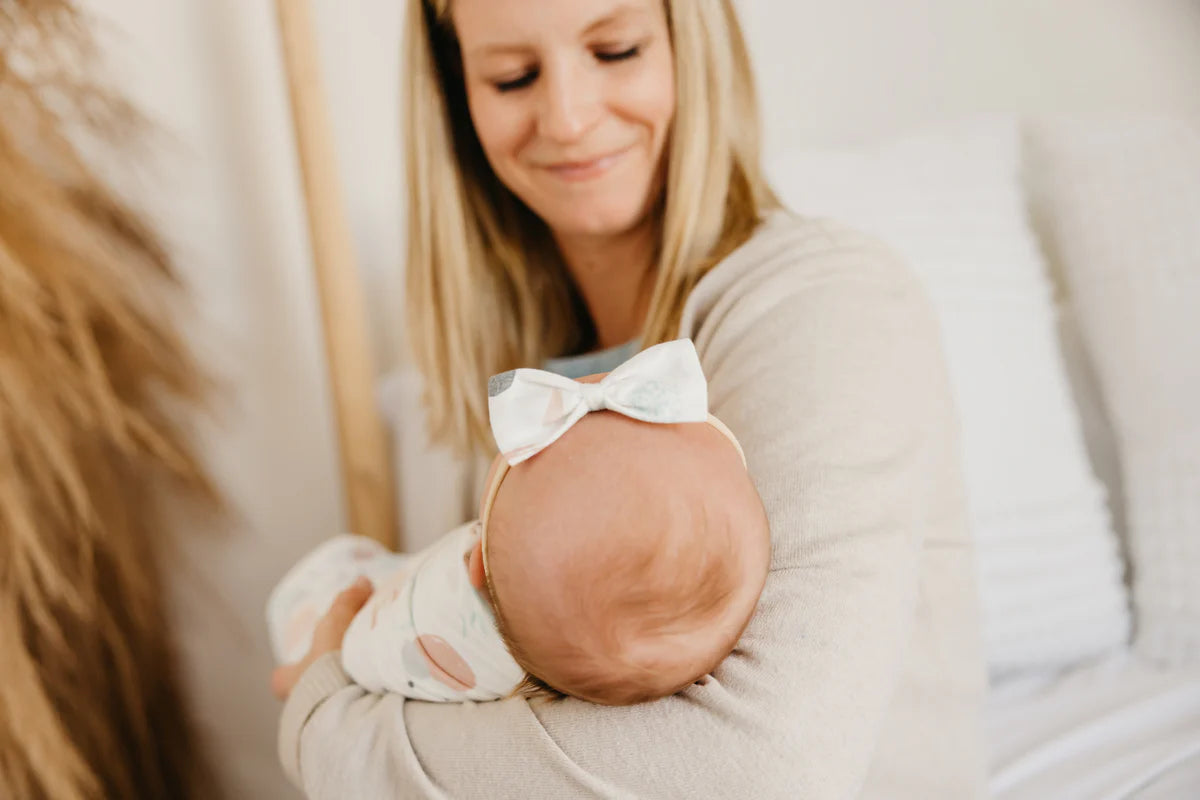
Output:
x=608 y=442
x=608 y=466
x=609 y=478
x=575 y=521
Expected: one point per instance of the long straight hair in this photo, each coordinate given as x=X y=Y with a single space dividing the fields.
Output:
x=486 y=288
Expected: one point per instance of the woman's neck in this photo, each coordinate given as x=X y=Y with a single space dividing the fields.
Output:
x=615 y=276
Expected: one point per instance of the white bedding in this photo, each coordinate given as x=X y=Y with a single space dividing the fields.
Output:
x=1119 y=729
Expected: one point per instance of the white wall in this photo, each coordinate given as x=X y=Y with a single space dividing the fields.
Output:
x=224 y=187
x=847 y=71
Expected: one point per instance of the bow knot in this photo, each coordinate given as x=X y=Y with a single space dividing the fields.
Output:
x=593 y=395
x=531 y=408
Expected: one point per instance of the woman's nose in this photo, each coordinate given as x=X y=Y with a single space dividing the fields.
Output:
x=569 y=103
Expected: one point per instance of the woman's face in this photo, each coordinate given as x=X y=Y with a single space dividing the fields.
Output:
x=572 y=101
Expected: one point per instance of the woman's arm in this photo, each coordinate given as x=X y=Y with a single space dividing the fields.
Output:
x=828 y=368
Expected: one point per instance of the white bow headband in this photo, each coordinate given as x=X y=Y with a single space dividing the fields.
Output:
x=530 y=408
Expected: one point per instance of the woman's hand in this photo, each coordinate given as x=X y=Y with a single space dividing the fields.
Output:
x=327 y=636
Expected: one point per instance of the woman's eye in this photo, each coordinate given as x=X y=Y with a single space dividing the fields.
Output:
x=620 y=55
x=517 y=83
x=529 y=77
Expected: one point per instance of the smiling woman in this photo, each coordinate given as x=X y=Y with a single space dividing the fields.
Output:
x=584 y=176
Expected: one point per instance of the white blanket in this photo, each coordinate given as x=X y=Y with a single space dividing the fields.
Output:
x=1118 y=729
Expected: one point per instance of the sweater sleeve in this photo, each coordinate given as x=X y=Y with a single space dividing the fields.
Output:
x=826 y=363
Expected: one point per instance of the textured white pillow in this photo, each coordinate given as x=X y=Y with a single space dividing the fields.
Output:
x=949 y=200
x=1119 y=203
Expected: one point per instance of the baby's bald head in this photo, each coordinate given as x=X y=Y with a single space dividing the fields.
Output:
x=627 y=557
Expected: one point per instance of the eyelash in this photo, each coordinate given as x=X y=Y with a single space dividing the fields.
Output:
x=519 y=83
x=623 y=55
x=529 y=77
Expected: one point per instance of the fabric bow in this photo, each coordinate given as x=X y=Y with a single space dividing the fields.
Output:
x=531 y=408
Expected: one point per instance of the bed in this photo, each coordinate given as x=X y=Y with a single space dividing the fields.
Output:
x=1115 y=729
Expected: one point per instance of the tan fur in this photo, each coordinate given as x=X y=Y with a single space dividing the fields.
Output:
x=91 y=379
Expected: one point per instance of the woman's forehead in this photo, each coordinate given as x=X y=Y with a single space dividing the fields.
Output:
x=485 y=24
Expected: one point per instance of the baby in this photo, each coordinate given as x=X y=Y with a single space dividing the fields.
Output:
x=617 y=557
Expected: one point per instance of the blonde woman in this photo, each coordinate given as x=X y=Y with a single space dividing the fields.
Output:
x=583 y=182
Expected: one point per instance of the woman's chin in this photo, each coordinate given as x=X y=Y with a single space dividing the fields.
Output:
x=593 y=221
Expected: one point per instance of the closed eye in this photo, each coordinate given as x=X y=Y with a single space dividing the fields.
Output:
x=532 y=75
x=518 y=83
x=619 y=56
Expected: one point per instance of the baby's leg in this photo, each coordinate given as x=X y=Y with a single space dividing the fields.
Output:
x=307 y=591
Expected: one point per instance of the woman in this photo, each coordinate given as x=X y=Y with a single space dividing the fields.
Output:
x=584 y=179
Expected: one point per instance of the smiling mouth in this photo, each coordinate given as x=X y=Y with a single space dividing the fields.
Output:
x=586 y=170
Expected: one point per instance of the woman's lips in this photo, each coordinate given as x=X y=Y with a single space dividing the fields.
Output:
x=586 y=170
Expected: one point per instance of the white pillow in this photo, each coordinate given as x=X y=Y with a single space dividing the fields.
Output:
x=1119 y=201
x=949 y=200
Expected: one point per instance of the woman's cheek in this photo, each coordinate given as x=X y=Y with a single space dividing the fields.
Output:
x=497 y=123
x=655 y=91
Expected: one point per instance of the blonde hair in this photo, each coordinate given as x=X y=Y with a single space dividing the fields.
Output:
x=486 y=289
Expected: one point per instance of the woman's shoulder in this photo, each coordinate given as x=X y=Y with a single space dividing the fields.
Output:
x=791 y=254
x=791 y=247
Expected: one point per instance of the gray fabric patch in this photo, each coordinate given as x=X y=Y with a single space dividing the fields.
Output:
x=497 y=384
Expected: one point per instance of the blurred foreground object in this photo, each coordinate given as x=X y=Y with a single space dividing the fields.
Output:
x=91 y=377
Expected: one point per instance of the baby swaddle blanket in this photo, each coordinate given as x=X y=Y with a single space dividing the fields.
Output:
x=430 y=634
x=426 y=632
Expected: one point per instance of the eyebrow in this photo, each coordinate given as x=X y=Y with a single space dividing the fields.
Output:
x=623 y=10
x=615 y=15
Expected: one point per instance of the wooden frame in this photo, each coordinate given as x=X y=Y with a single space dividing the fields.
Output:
x=365 y=467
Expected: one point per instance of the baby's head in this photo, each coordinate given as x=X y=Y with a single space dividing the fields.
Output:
x=624 y=560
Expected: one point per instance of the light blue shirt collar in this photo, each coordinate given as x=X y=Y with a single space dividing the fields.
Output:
x=575 y=367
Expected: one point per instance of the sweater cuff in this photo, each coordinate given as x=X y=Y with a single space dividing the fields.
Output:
x=322 y=678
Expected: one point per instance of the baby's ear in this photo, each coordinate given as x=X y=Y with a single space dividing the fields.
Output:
x=475 y=567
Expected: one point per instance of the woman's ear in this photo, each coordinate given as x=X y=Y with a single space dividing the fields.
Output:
x=475 y=567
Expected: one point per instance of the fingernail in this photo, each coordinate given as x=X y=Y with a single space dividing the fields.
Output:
x=363 y=582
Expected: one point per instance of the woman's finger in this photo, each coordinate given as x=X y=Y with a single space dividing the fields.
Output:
x=327 y=635
x=353 y=597
x=335 y=622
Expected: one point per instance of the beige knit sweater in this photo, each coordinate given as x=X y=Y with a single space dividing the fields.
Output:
x=860 y=674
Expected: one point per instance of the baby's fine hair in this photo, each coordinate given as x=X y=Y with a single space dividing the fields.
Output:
x=677 y=588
